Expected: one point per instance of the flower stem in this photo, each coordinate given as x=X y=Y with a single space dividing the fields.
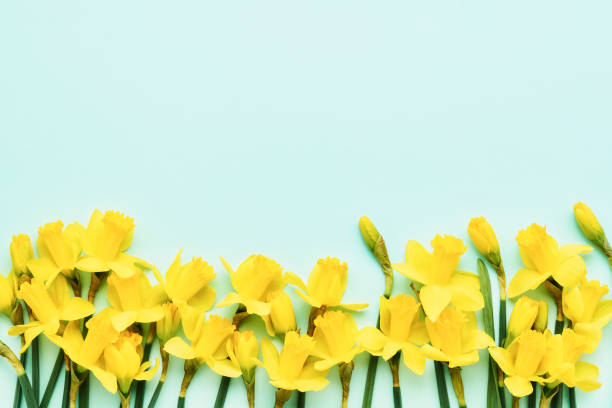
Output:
x=22 y=377
x=457 y=382
x=140 y=385
x=441 y=383
x=191 y=366
x=345 y=371
x=301 y=399
x=66 y=393
x=397 y=392
x=162 y=378
x=531 y=400
x=222 y=393
x=282 y=396
x=515 y=402
x=369 y=385
x=55 y=373
x=572 y=397
x=181 y=402
x=249 y=386
x=35 y=368
x=557 y=401
x=17 y=397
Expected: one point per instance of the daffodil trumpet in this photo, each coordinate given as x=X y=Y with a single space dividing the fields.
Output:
x=24 y=382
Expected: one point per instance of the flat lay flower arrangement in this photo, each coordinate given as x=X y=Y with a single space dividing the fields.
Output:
x=43 y=295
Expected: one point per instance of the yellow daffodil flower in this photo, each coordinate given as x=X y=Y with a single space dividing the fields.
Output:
x=58 y=250
x=21 y=253
x=455 y=338
x=105 y=241
x=564 y=350
x=326 y=284
x=523 y=361
x=134 y=300
x=8 y=297
x=282 y=317
x=209 y=340
x=167 y=326
x=442 y=282
x=255 y=278
x=484 y=239
x=544 y=258
x=294 y=368
x=243 y=350
x=49 y=306
x=588 y=223
x=522 y=318
x=400 y=330
x=588 y=313
x=88 y=352
x=188 y=283
x=123 y=359
x=335 y=338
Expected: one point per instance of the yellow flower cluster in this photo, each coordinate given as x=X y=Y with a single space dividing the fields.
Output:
x=436 y=322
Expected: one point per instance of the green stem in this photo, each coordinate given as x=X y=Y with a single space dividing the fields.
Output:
x=301 y=400
x=531 y=400
x=397 y=393
x=222 y=393
x=140 y=385
x=397 y=397
x=35 y=368
x=155 y=396
x=84 y=393
x=369 y=385
x=441 y=383
x=28 y=393
x=66 y=393
x=572 y=397
x=23 y=358
x=557 y=401
x=55 y=373
x=181 y=402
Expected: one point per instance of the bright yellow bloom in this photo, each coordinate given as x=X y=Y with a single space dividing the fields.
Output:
x=123 y=359
x=588 y=223
x=544 y=258
x=167 y=326
x=88 y=352
x=21 y=253
x=541 y=321
x=209 y=342
x=256 y=277
x=455 y=338
x=105 y=241
x=49 y=306
x=523 y=361
x=134 y=300
x=244 y=351
x=294 y=368
x=400 y=330
x=8 y=297
x=588 y=313
x=335 y=338
x=188 y=283
x=281 y=318
x=326 y=284
x=442 y=282
x=58 y=249
x=564 y=350
x=522 y=318
x=483 y=237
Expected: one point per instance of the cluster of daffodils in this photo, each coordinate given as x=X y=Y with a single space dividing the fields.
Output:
x=44 y=294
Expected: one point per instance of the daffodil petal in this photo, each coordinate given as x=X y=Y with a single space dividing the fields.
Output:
x=434 y=299
x=123 y=320
x=503 y=359
x=525 y=279
x=418 y=333
x=295 y=280
x=231 y=299
x=433 y=353
x=257 y=307
x=354 y=306
x=463 y=359
x=178 y=348
x=43 y=268
x=518 y=386
x=413 y=358
x=390 y=349
x=570 y=272
x=586 y=376
x=203 y=299
x=271 y=359
x=145 y=374
x=465 y=291
x=108 y=380
x=92 y=264
x=123 y=270
x=76 y=308
x=372 y=340
x=227 y=368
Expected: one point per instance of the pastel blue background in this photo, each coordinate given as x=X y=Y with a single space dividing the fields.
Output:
x=270 y=127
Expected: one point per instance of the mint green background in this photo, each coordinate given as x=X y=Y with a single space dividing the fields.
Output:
x=270 y=127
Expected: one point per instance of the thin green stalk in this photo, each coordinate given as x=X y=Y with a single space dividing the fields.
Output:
x=155 y=395
x=397 y=397
x=35 y=368
x=531 y=400
x=441 y=383
x=301 y=400
x=557 y=401
x=55 y=373
x=500 y=342
x=28 y=393
x=223 y=386
x=140 y=385
x=397 y=393
x=572 y=397
x=67 y=381
x=84 y=393
x=181 y=402
x=369 y=385
x=23 y=358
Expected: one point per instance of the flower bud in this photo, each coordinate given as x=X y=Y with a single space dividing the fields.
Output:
x=541 y=321
x=369 y=232
x=522 y=318
x=7 y=294
x=167 y=327
x=281 y=318
x=21 y=253
x=483 y=237
x=588 y=224
x=246 y=349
